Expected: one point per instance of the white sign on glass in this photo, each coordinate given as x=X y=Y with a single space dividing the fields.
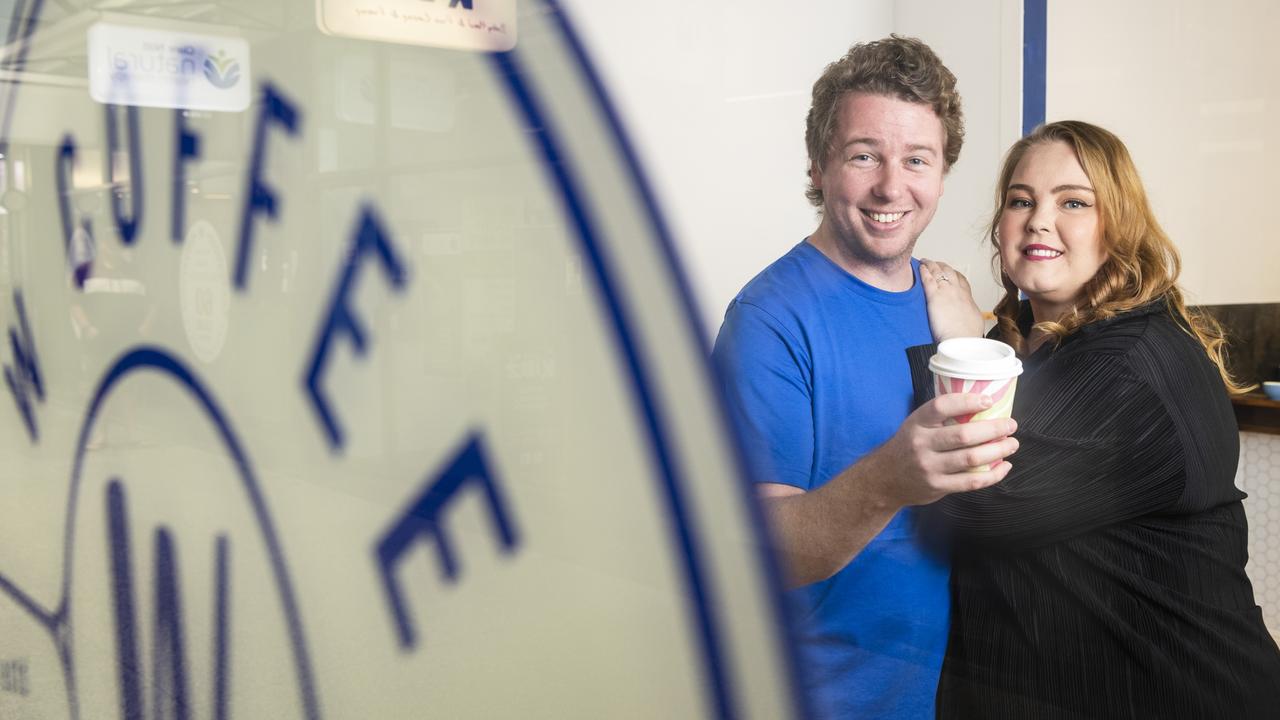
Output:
x=155 y=67
x=462 y=24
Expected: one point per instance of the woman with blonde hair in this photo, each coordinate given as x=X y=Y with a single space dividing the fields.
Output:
x=1104 y=577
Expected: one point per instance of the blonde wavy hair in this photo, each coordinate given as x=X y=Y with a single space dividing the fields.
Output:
x=1142 y=264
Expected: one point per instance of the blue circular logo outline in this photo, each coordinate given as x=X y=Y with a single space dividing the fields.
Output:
x=548 y=142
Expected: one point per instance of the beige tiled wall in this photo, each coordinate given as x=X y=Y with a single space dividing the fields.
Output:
x=1259 y=476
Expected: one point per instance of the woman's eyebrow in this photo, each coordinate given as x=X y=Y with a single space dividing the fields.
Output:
x=1058 y=189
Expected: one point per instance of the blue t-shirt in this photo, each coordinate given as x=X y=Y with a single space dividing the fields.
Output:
x=815 y=368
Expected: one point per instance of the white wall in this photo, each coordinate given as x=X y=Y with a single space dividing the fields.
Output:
x=981 y=41
x=1192 y=87
x=714 y=94
x=715 y=99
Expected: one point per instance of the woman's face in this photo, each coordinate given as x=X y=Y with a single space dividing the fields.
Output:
x=1049 y=234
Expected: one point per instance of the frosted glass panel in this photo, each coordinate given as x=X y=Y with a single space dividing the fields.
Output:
x=351 y=375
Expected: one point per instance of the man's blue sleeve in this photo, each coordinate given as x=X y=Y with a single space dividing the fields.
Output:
x=765 y=372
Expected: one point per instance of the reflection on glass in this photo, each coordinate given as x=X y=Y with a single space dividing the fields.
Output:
x=284 y=262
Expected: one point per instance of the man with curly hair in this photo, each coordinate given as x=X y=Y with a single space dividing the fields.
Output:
x=812 y=355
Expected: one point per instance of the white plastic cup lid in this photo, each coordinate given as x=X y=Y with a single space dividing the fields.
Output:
x=975 y=359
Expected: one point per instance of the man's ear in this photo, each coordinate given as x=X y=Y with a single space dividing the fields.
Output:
x=815 y=174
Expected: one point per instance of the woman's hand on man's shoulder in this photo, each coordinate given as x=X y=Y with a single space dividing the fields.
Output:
x=952 y=311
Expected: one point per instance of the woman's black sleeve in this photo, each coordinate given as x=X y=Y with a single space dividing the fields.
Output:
x=918 y=359
x=1097 y=446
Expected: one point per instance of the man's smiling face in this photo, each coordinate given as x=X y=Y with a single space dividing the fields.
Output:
x=881 y=181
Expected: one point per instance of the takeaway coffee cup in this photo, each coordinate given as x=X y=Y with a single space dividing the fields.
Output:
x=977 y=365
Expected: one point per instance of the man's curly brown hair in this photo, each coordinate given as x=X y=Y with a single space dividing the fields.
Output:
x=898 y=67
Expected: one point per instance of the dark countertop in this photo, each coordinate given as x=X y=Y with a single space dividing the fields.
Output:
x=1256 y=412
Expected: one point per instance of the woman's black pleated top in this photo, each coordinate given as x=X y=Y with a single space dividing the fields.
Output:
x=1104 y=577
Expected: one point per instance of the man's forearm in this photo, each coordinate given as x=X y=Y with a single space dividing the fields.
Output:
x=817 y=533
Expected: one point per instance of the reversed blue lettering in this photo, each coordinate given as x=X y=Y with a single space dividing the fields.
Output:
x=368 y=243
x=129 y=671
x=79 y=250
x=260 y=198
x=420 y=521
x=24 y=377
x=186 y=148
x=170 y=686
x=168 y=654
x=127 y=226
